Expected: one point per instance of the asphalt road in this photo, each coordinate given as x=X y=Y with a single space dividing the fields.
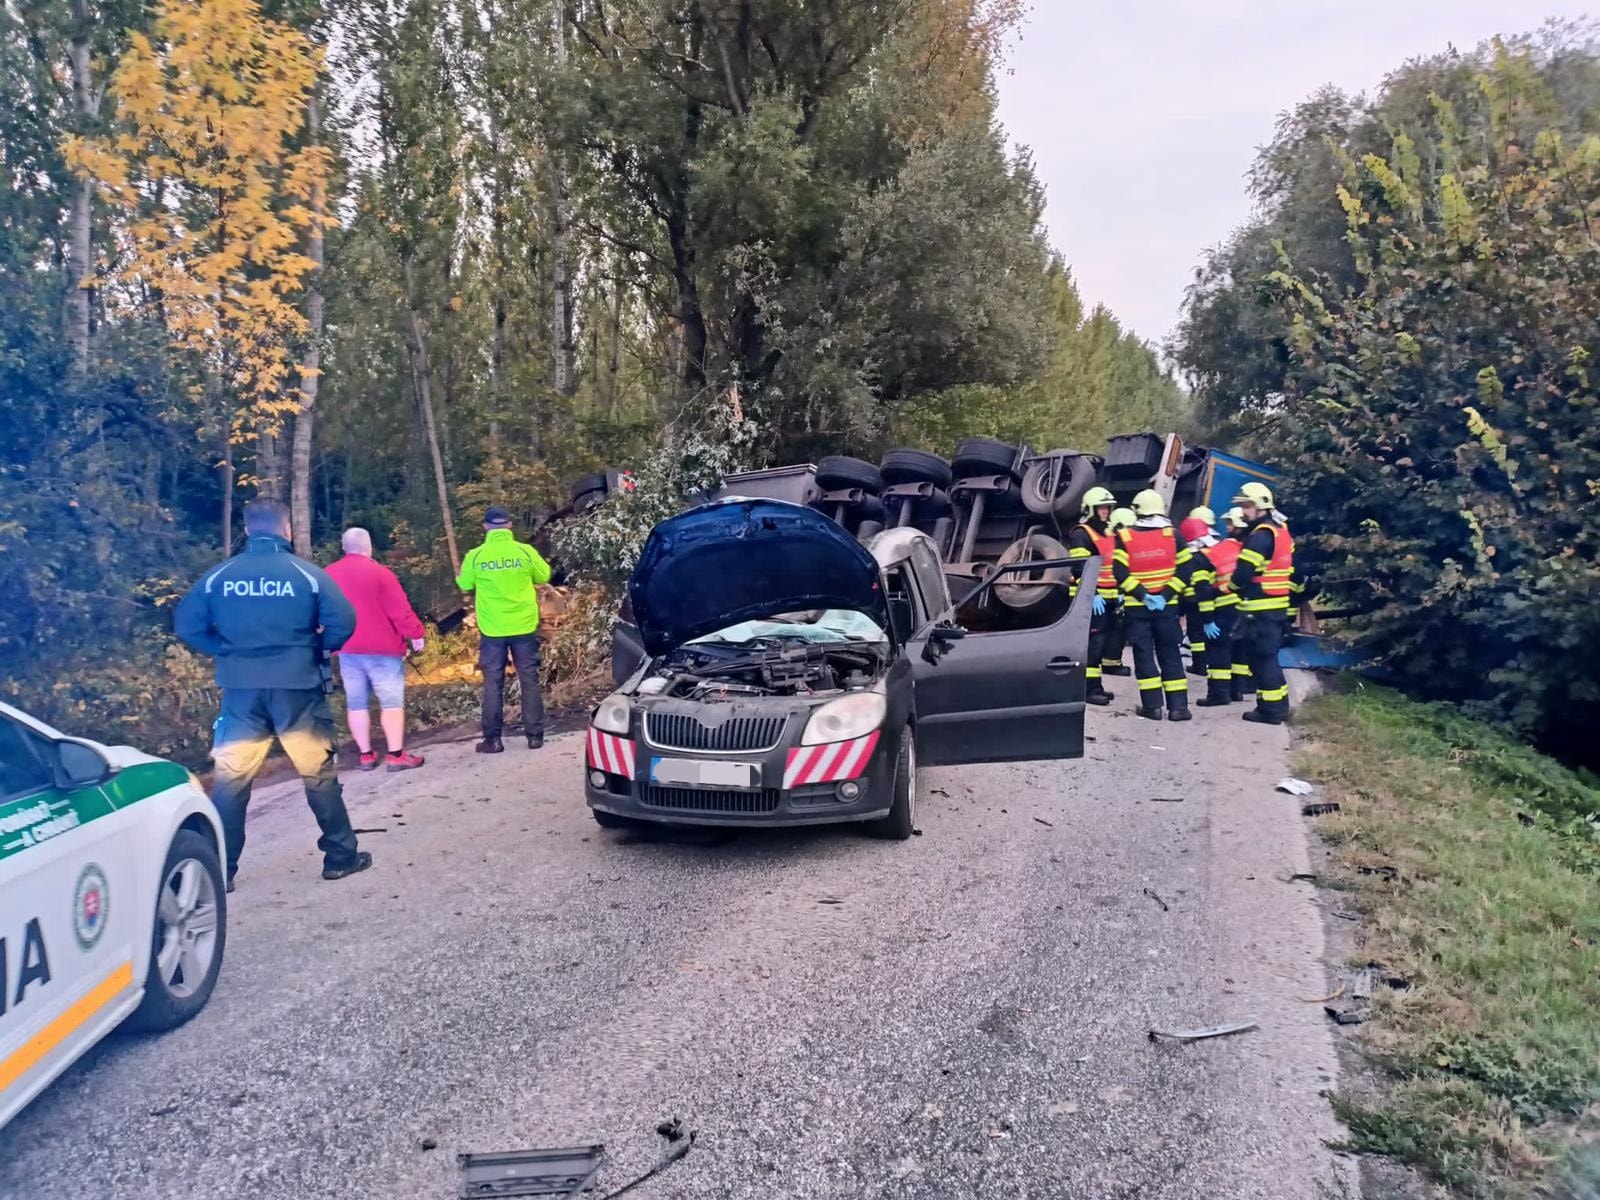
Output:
x=965 y=1014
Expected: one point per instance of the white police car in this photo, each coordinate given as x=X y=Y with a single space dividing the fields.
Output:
x=113 y=904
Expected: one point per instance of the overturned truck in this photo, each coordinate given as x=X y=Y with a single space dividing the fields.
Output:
x=991 y=508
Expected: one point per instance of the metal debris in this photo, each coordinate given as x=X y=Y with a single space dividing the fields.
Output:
x=1164 y=906
x=1166 y=799
x=1042 y=821
x=1318 y=810
x=1198 y=1035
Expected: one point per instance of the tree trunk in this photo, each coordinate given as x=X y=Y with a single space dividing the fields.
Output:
x=80 y=250
x=566 y=382
x=424 y=390
x=269 y=465
x=225 y=472
x=311 y=361
x=614 y=349
x=497 y=346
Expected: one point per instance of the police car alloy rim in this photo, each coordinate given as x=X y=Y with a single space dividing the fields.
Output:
x=187 y=928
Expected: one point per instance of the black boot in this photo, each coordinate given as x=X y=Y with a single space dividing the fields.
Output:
x=1117 y=669
x=359 y=863
x=490 y=745
x=1151 y=714
x=1100 y=697
x=1180 y=714
x=1260 y=716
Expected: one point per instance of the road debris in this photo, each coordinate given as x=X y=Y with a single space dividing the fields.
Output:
x=1200 y=1035
x=1042 y=821
x=1295 y=787
x=563 y=1171
x=1318 y=810
x=1166 y=799
x=682 y=1142
x=1164 y=906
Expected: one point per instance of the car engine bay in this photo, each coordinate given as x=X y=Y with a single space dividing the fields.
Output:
x=768 y=667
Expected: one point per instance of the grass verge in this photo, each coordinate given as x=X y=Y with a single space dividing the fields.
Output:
x=1475 y=862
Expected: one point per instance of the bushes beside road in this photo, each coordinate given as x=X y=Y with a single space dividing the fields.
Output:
x=1475 y=864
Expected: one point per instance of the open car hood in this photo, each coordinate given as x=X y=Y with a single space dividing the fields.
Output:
x=739 y=560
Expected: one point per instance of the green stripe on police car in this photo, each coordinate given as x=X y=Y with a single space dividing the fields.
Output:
x=32 y=820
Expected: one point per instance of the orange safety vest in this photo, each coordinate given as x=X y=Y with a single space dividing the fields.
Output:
x=1224 y=557
x=1276 y=577
x=1152 y=556
x=1104 y=546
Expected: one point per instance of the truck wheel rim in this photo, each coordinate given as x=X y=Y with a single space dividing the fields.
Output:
x=187 y=921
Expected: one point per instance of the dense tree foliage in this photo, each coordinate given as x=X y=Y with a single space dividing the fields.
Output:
x=397 y=259
x=1413 y=329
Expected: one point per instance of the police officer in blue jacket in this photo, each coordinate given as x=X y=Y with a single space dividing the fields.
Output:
x=270 y=619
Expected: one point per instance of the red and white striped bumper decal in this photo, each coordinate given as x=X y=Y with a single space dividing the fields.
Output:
x=829 y=764
x=610 y=753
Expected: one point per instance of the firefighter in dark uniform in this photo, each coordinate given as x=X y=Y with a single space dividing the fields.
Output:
x=270 y=619
x=1092 y=538
x=1264 y=580
x=1154 y=568
x=1223 y=656
x=1198 y=534
x=1116 y=635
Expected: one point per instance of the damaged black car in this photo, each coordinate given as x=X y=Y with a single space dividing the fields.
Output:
x=793 y=675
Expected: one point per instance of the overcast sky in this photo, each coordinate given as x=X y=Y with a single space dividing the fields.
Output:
x=1143 y=115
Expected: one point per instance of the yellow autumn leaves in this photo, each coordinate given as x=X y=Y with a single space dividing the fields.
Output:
x=210 y=178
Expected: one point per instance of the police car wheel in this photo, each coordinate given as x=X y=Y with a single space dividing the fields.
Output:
x=189 y=931
x=902 y=819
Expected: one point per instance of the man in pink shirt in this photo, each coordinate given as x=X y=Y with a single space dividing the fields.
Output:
x=374 y=659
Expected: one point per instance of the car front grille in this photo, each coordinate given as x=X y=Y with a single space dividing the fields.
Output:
x=680 y=731
x=708 y=800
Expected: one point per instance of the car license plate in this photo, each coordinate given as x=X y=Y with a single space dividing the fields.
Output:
x=695 y=772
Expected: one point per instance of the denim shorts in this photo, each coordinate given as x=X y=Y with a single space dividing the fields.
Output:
x=366 y=674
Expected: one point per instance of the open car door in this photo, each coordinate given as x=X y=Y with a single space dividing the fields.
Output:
x=1008 y=696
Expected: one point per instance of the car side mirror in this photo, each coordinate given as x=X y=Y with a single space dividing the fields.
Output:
x=80 y=766
x=940 y=638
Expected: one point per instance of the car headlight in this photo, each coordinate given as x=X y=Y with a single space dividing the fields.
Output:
x=614 y=715
x=850 y=717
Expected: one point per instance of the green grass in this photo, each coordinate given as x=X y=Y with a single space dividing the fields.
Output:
x=1490 y=1060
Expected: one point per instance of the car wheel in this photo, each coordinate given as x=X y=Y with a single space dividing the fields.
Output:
x=902 y=818
x=915 y=466
x=189 y=934
x=1077 y=476
x=837 y=471
x=984 y=456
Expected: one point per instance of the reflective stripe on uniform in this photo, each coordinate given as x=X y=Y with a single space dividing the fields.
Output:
x=1268 y=695
x=1150 y=685
x=1175 y=685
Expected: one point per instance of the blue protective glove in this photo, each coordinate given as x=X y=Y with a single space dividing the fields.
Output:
x=1154 y=602
x=1099 y=606
x=1213 y=631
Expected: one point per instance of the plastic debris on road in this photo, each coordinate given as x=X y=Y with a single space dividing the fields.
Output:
x=1295 y=787
x=1200 y=1035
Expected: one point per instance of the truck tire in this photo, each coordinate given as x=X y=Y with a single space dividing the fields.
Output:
x=1034 y=597
x=915 y=466
x=838 y=471
x=188 y=935
x=595 y=482
x=901 y=821
x=984 y=456
x=1078 y=473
